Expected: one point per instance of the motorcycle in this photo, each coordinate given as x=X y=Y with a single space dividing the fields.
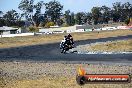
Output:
x=65 y=47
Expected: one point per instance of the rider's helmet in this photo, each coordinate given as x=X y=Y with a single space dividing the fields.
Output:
x=65 y=36
x=69 y=35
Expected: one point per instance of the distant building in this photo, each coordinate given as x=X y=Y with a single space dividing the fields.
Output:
x=88 y=27
x=54 y=26
x=45 y=31
x=8 y=30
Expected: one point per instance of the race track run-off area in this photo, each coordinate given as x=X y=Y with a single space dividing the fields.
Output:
x=51 y=52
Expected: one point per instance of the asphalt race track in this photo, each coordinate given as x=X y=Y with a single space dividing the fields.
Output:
x=51 y=52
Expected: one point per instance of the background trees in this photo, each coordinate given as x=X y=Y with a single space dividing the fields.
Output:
x=50 y=13
x=105 y=14
x=126 y=11
x=78 y=18
x=117 y=11
x=11 y=15
x=53 y=10
x=96 y=14
x=38 y=17
x=1 y=13
x=11 y=18
x=27 y=7
x=69 y=18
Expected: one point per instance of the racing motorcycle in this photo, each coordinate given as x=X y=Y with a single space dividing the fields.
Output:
x=65 y=47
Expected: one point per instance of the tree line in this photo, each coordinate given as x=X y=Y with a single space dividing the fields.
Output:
x=52 y=15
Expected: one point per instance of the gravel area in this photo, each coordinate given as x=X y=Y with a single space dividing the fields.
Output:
x=12 y=71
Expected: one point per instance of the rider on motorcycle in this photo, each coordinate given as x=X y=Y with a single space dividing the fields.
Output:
x=68 y=40
x=63 y=42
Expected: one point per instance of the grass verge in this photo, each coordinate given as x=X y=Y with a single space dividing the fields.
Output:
x=33 y=40
x=115 y=46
